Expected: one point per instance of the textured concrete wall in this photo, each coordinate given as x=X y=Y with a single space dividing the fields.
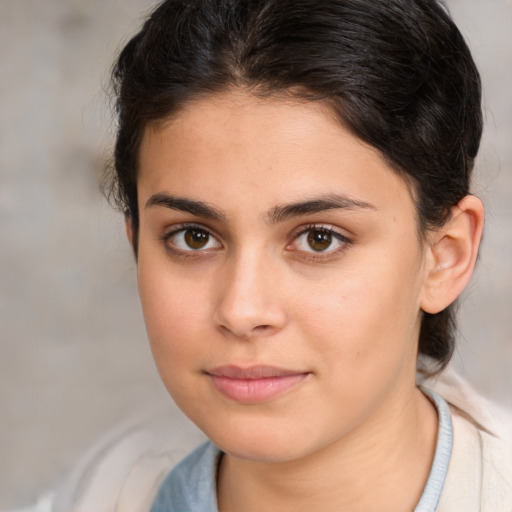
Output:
x=73 y=354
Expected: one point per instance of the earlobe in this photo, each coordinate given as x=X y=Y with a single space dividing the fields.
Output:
x=452 y=255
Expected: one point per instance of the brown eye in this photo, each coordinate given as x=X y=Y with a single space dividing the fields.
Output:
x=319 y=240
x=196 y=238
x=324 y=241
x=189 y=239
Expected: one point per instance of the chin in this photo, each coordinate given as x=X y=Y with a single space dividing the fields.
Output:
x=259 y=450
x=261 y=441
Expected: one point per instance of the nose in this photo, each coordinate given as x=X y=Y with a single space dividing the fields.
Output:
x=249 y=303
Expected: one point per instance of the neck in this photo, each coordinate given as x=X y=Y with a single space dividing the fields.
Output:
x=365 y=472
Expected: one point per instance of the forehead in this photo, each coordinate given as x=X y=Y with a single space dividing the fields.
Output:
x=266 y=150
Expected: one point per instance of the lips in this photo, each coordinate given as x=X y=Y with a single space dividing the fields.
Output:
x=255 y=384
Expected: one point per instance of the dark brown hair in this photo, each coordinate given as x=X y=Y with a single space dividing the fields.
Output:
x=397 y=73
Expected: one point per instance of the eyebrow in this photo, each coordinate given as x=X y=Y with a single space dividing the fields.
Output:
x=316 y=205
x=276 y=215
x=183 y=204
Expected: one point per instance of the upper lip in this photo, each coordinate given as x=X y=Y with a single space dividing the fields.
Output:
x=252 y=372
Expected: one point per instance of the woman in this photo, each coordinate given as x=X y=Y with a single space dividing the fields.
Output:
x=295 y=177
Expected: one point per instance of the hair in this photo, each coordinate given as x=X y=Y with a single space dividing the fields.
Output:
x=397 y=73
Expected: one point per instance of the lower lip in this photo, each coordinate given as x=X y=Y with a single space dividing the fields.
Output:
x=253 y=391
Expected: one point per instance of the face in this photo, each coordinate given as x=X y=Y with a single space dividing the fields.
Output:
x=280 y=275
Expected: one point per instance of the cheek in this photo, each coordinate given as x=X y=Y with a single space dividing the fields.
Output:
x=174 y=314
x=362 y=336
x=174 y=320
x=368 y=310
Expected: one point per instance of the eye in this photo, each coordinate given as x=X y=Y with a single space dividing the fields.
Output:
x=317 y=239
x=192 y=238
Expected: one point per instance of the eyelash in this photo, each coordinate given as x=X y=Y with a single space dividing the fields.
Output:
x=343 y=240
x=326 y=229
x=185 y=254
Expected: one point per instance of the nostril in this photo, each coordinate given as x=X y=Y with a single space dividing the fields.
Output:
x=246 y=333
x=262 y=328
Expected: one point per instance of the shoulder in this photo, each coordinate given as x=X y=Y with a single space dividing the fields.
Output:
x=125 y=469
x=191 y=485
x=480 y=472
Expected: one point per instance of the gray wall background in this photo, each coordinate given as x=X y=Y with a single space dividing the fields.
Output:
x=73 y=355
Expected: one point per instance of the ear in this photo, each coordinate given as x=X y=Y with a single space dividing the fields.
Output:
x=128 y=226
x=131 y=233
x=452 y=255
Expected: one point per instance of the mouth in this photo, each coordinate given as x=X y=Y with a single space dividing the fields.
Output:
x=255 y=384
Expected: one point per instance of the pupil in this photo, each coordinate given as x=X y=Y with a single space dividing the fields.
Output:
x=319 y=240
x=196 y=239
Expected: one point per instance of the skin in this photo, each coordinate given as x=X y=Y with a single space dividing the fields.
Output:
x=349 y=433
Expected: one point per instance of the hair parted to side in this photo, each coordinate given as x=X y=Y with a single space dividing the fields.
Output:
x=397 y=73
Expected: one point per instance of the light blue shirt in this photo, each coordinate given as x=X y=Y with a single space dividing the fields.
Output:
x=191 y=485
